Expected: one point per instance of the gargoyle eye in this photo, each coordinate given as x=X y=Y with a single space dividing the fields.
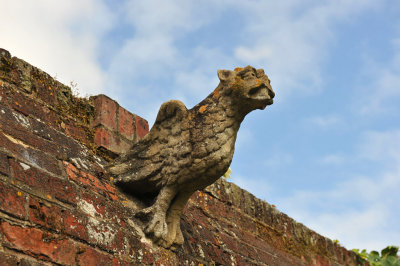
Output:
x=249 y=75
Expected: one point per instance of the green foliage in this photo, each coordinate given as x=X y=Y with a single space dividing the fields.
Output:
x=388 y=256
x=227 y=174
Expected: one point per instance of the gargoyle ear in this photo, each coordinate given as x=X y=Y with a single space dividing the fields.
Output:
x=224 y=75
x=260 y=72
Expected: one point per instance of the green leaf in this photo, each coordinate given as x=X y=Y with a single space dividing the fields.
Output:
x=228 y=173
x=374 y=256
x=389 y=251
x=391 y=261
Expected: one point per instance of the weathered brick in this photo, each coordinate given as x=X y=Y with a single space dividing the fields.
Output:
x=4 y=166
x=141 y=252
x=229 y=241
x=12 y=200
x=111 y=191
x=8 y=259
x=45 y=214
x=100 y=231
x=39 y=244
x=126 y=124
x=117 y=213
x=68 y=147
x=96 y=204
x=30 y=262
x=8 y=70
x=91 y=257
x=29 y=106
x=45 y=91
x=44 y=184
x=76 y=132
x=321 y=261
x=110 y=141
x=90 y=181
x=19 y=127
x=75 y=224
x=106 y=112
x=142 y=127
x=33 y=156
x=71 y=170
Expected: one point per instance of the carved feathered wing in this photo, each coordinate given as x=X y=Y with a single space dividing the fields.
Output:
x=157 y=159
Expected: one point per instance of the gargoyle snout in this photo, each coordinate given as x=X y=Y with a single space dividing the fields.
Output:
x=271 y=93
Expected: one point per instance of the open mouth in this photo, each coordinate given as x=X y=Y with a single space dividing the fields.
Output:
x=261 y=93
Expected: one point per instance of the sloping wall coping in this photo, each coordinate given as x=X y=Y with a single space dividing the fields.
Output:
x=58 y=205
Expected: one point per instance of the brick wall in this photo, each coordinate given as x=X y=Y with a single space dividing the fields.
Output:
x=58 y=206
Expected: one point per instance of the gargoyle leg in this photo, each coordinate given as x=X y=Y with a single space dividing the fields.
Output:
x=156 y=226
x=174 y=236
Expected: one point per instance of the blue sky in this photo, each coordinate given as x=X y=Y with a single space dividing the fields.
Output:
x=327 y=153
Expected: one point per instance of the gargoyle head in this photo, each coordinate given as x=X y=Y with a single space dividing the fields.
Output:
x=249 y=87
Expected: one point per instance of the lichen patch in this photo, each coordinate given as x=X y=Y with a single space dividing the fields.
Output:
x=216 y=93
x=202 y=108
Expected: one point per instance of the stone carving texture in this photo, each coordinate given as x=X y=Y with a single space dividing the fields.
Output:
x=187 y=150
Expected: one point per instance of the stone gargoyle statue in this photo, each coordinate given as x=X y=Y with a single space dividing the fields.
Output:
x=188 y=150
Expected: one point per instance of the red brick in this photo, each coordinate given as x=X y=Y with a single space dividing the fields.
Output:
x=106 y=112
x=45 y=92
x=97 y=202
x=8 y=259
x=95 y=182
x=111 y=192
x=141 y=251
x=230 y=242
x=39 y=244
x=110 y=141
x=75 y=224
x=47 y=215
x=90 y=181
x=105 y=235
x=75 y=132
x=142 y=127
x=12 y=200
x=19 y=127
x=89 y=256
x=4 y=166
x=126 y=122
x=33 y=156
x=9 y=71
x=71 y=171
x=42 y=183
x=29 y=106
x=321 y=261
x=67 y=146
x=62 y=190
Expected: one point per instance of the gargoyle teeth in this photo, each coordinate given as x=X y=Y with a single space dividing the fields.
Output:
x=255 y=90
x=258 y=89
x=260 y=92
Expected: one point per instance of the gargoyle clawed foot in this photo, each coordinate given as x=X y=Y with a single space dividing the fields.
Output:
x=174 y=237
x=156 y=226
x=155 y=216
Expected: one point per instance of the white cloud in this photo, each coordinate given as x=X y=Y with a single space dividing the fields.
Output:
x=257 y=187
x=380 y=93
x=278 y=160
x=288 y=39
x=357 y=228
x=61 y=37
x=332 y=159
x=292 y=47
x=362 y=211
x=381 y=147
x=324 y=122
